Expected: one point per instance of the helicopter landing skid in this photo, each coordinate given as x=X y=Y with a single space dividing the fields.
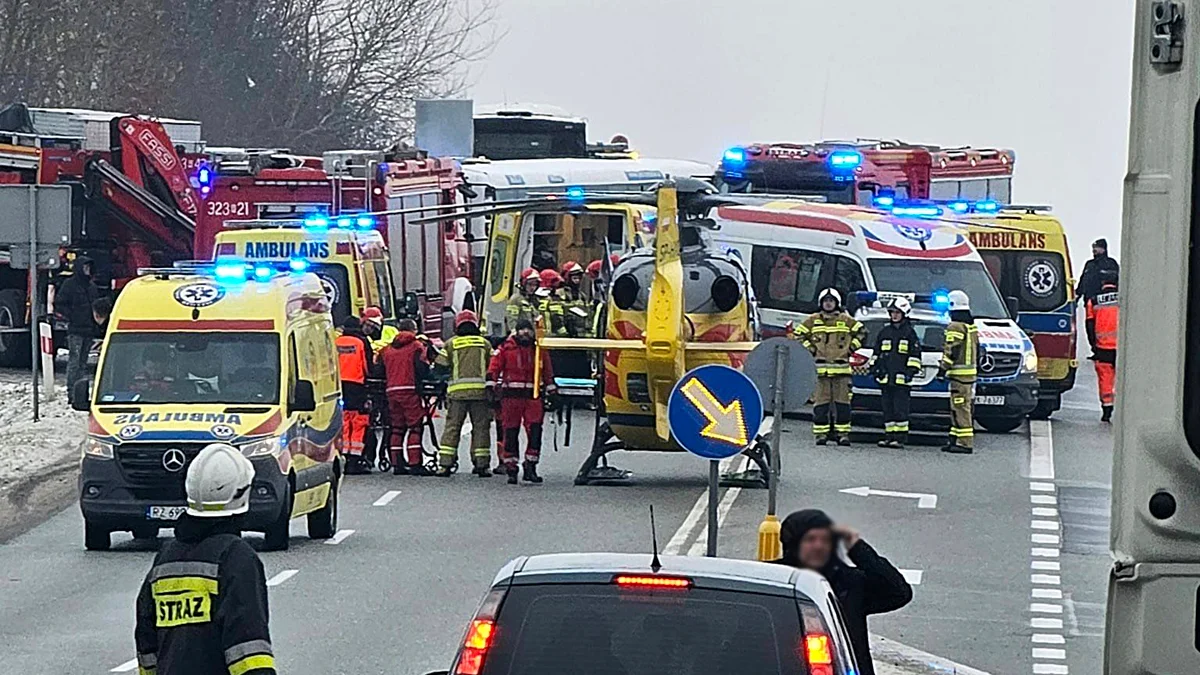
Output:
x=596 y=467
x=757 y=478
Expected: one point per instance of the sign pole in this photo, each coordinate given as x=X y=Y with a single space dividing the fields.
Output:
x=35 y=342
x=781 y=362
x=714 y=479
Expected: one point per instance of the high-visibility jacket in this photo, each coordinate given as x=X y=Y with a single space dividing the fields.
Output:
x=897 y=355
x=518 y=308
x=960 y=351
x=468 y=357
x=550 y=309
x=202 y=609
x=831 y=337
x=512 y=369
x=386 y=335
x=354 y=359
x=1105 y=312
x=574 y=316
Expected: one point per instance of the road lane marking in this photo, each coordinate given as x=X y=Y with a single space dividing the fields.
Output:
x=126 y=667
x=924 y=500
x=695 y=518
x=700 y=546
x=1044 y=512
x=1049 y=500
x=1039 y=538
x=339 y=537
x=1044 y=552
x=1041 y=450
x=1050 y=669
x=282 y=577
x=392 y=494
x=1041 y=487
x=1045 y=565
x=1046 y=653
x=1045 y=579
x=913 y=577
x=1045 y=623
x=1046 y=594
x=1050 y=525
x=1048 y=639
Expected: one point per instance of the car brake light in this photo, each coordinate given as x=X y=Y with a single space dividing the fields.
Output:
x=630 y=581
x=818 y=654
x=480 y=637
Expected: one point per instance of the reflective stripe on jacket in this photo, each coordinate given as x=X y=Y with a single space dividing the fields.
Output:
x=832 y=338
x=897 y=354
x=353 y=361
x=467 y=356
x=1106 y=313
x=960 y=351
x=519 y=307
x=512 y=369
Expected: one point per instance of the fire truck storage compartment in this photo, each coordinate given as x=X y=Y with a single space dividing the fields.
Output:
x=416 y=248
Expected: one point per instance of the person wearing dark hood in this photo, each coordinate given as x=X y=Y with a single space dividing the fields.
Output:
x=1092 y=278
x=872 y=586
x=73 y=303
x=404 y=366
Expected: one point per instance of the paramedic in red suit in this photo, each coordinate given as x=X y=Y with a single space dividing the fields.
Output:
x=355 y=361
x=404 y=366
x=512 y=374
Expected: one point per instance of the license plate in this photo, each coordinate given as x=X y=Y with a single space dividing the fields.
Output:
x=164 y=512
x=989 y=400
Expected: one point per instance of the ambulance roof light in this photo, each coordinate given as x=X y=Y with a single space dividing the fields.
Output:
x=298 y=264
x=941 y=300
x=885 y=201
x=987 y=206
x=735 y=157
x=575 y=193
x=960 y=206
x=918 y=211
x=230 y=270
x=317 y=222
x=365 y=223
x=262 y=272
x=344 y=222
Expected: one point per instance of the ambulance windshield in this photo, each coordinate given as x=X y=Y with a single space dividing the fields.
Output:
x=927 y=276
x=182 y=368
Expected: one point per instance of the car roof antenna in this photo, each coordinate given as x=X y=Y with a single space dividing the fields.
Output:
x=655 y=563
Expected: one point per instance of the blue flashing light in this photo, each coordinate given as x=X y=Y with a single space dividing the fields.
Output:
x=925 y=211
x=261 y=272
x=940 y=301
x=960 y=207
x=885 y=201
x=316 y=222
x=204 y=178
x=230 y=271
x=575 y=193
x=845 y=159
x=987 y=206
x=298 y=264
x=365 y=223
x=344 y=223
x=735 y=156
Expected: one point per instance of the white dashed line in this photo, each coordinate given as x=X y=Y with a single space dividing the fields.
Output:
x=1044 y=552
x=1041 y=451
x=1044 y=497
x=1044 y=623
x=1045 y=565
x=281 y=577
x=693 y=519
x=1039 y=538
x=1049 y=500
x=1045 y=579
x=1044 y=608
x=700 y=546
x=339 y=537
x=392 y=494
x=1048 y=639
x=1050 y=669
x=126 y=667
x=1046 y=594
x=1048 y=525
x=1044 y=512
x=1041 y=487
x=1045 y=653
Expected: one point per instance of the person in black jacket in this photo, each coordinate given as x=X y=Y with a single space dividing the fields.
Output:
x=895 y=363
x=872 y=586
x=1090 y=279
x=73 y=302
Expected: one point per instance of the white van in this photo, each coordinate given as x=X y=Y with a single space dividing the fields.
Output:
x=795 y=249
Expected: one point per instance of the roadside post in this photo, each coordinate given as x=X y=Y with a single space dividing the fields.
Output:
x=715 y=413
x=784 y=371
x=35 y=220
x=46 y=343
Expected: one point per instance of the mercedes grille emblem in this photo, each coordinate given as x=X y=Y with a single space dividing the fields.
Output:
x=986 y=363
x=174 y=459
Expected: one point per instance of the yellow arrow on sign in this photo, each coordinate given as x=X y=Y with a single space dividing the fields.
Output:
x=725 y=422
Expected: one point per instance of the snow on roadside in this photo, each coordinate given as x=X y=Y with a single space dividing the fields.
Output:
x=28 y=448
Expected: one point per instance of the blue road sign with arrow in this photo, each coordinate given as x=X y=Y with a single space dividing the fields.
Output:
x=714 y=411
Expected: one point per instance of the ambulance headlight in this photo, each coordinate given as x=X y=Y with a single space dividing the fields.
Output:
x=96 y=448
x=1029 y=363
x=267 y=447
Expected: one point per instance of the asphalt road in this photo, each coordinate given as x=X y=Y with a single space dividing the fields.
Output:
x=394 y=596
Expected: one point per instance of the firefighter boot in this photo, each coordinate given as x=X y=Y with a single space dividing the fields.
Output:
x=529 y=473
x=821 y=440
x=444 y=471
x=1106 y=415
x=843 y=441
x=886 y=441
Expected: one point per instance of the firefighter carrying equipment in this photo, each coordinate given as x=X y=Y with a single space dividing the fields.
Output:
x=218 y=482
x=202 y=608
x=959 y=357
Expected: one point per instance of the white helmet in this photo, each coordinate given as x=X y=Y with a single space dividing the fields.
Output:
x=828 y=292
x=959 y=301
x=900 y=304
x=218 y=482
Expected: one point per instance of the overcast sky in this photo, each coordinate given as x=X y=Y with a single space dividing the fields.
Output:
x=688 y=78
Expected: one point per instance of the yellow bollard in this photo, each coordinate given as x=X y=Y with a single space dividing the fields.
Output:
x=769 y=547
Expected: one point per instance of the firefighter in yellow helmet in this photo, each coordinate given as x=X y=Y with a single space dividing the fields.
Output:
x=959 y=356
x=467 y=355
x=203 y=606
x=832 y=336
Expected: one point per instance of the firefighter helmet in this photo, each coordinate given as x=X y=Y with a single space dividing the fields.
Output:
x=593 y=269
x=830 y=293
x=550 y=279
x=373 y=315
x=959 y=301
x=465 y=316
x=218 y=482
x=571 y=267
x=900 y=304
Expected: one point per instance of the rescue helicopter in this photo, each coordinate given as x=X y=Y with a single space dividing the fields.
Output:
x=672 y=302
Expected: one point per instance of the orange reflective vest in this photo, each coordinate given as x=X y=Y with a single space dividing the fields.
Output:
x=1106 y=312
x=352 y=358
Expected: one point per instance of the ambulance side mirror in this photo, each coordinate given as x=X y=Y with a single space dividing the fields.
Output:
x=81 y=396
x=303 y=399
x=1014 y=307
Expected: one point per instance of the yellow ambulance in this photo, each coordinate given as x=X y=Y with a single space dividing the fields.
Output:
x=230 y=352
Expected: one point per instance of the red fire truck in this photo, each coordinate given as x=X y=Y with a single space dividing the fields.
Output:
x=428 y=260
x=133 y=205
x=856 y=172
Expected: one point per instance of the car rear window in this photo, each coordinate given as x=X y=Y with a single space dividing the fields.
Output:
x=585 y=629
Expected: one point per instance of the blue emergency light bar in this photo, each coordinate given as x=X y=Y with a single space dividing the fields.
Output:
x=939 y=299
x=735 y=157
x=918 y=210
x=575 y=193
x=316 y=222
x=934 y=208
x=845 y=159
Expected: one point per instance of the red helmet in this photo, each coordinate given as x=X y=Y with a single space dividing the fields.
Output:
x=550 y=279
x=466 y=316
x=529 y=273
x=372 y=314
x=571 y=267
x=614 y=259
x=593 y=269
